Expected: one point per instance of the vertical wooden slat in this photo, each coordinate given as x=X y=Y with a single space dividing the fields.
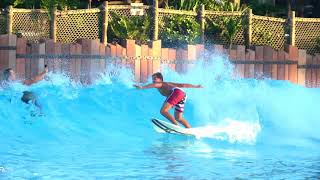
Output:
x=165 y=56
x=281 y=67
x=113 y=50
x=124 y=59
x=180 y=60
x=57 y=62
x=65 y=62
x=252 y=56
x=274 y=67
x=309 y=71
x=314 y=72
x=200 y=51
x=49 y=43
x=34 y=61
x=249 y=68
x=21 y=62
x=102 y=62
x=28 y=63
x=119 y=54
x=73 y=51
x=218 y=49
x=258 y=68
x=241 y=56
x=246 y=66
x=267 y=56
x=130 y=46
x=286 y=67
x=108 y=50
x=42 y=51
x=302 y=71
x=318 y=70
x=191 y=57
x=94 y=70
x=172 y=56
x=78 y=62
x=137 y=64
x=144 y=63
x=233 y=57
x=293 y=56
x=150 y=62
x=8 y=57
x=85 y=63
x=156 y=53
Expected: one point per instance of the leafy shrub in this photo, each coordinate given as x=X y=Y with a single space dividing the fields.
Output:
x=179 y=30
x=135 y=27
x=214 y=5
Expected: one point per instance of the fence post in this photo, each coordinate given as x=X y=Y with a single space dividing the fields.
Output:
x=202 y=22
x=10 y=20
x=105 y=13
x=155 y=20
x=53 y=24
x=249 y=28
x=292 y=26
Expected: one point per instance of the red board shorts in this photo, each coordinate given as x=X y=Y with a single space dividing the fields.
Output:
x=177 y=98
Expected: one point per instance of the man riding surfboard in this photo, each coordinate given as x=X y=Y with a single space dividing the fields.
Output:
x=175 y=97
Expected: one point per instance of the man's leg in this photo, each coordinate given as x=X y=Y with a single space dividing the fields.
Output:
x=165 y=112
x=179 y=117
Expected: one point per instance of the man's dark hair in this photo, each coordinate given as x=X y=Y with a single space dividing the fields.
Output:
x=6 y=73
x=158 y=75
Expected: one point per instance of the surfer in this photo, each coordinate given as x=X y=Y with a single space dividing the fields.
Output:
x=28 y=97
x=175 y=97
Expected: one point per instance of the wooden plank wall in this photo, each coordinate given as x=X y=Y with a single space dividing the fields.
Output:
x=86 y=59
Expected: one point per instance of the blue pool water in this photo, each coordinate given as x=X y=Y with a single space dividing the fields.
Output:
x=246 y=129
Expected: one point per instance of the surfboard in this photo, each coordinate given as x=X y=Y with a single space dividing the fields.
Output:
x=166 y=127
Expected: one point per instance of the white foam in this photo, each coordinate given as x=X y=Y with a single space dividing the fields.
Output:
x=230 y=130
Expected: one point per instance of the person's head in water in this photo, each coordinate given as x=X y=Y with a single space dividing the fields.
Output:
x=9 y=74
x=157 y=77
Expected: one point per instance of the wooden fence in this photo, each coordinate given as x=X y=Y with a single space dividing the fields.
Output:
x=86 y=59
x=69 y=25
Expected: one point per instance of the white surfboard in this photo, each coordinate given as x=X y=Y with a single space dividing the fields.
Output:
x=166 y=127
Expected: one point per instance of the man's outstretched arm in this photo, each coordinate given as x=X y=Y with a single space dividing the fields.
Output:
x=155 y=85
x=182 y=85
x=36 y=78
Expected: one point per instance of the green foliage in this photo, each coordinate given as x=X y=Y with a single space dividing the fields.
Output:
x=178 y=30
x=184 y=4
x=222 y=5
x=44 y=4
x=135 y=27
x=262 y=36
x=226 y=26
x=318 y=43
x=267 y=9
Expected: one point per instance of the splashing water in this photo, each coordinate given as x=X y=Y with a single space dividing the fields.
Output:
x=245 y=128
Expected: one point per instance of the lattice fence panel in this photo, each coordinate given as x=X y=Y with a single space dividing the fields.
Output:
x=269 y=31
x=307 y=31
x=124 y=10
x=32 y=25
x=79 y=24
x=171 y=13
x=215 y=37
x=3 y=22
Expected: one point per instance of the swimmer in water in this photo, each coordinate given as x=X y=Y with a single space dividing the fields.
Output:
x=28 y=97
x=175 y=97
